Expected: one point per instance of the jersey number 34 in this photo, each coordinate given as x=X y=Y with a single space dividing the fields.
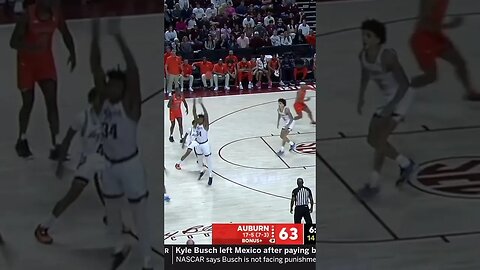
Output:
x=109 y=131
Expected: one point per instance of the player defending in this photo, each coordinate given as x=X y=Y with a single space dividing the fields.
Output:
x=300 y=106
x=429 y=43
x=200 y=143
x=125 y=174
x=174 y=104
x=88 y=125
x=381 y=65
x=288 y=123
x=32 y=38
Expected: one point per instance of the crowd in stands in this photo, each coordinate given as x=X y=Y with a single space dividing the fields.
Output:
x=197 y=25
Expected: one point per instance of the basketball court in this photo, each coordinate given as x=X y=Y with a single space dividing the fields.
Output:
x=431 y=223
x=29 y=189
x=251 y=183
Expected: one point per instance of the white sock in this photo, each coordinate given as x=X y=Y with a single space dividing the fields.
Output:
x=113 y=208
x=402 y=161
x=291 y=143
x=374 y=179
x=210 y=166
x=49 y=221
x=140 y=217
x=282 y=149
x=179 y=162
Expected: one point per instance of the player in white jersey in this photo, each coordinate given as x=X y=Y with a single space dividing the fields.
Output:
x=200 y=144
x=382 y=66
x=88 y=125
x=192 y=145
x=124 y=174
x=288 y=124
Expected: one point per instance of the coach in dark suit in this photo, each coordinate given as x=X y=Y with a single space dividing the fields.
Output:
x=301 y=197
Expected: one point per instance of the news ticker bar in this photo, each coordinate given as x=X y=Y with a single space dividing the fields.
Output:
x=263 y=234
x=233 y=256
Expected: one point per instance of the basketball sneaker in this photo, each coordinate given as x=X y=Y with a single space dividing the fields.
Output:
x=368 y=191
x=210 y=180
x=406 y=172
x=166 y=198
x=292 y=146
x=171 y=139
x=280 y=152
x=201 y=175
x=177 y=166
x=42 y=235
x=23 y=150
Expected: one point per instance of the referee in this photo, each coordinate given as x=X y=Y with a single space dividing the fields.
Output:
x=301 y=196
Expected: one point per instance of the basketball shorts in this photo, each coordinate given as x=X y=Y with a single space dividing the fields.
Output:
x=88 y=167
x=34 y=69
x=174 y=114
x=288 y=127
x=201 y=148
x=299 y=107
x=428 y=46
x=193 y=145
x=402 y=107
x=125 y=178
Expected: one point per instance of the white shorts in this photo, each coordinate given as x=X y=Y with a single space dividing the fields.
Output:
x=203 y=149
x=288 y=127
x=402 y=107
x=89 y=166
x=125 y=178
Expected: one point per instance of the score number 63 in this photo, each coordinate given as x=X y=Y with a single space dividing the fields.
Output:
x=291 y=234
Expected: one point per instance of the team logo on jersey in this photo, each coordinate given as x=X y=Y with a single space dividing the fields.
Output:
x=457 y=177
x=193 y=233
x=306 y=148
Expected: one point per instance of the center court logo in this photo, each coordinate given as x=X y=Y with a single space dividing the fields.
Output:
x=457 y=177
x=306 y=148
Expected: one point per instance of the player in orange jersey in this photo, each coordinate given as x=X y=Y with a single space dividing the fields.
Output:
x=206 y=69
x=187 y=73
x=220 y=71
x=244 y=70
x=274 y=70
x=173 y=69
x=174 y=104
x=32 y=38
x=300 y=106
x=168 y=53
x=428 y=43
x=232 y=72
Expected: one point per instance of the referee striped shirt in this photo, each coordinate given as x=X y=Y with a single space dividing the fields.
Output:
x=302 y=196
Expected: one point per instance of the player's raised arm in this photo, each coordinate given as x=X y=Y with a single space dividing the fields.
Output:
x=133 y=98
x=206 y=122
x=96 y=58
x=194 y=110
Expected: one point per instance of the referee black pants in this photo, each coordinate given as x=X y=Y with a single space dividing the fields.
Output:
x=302 y=211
